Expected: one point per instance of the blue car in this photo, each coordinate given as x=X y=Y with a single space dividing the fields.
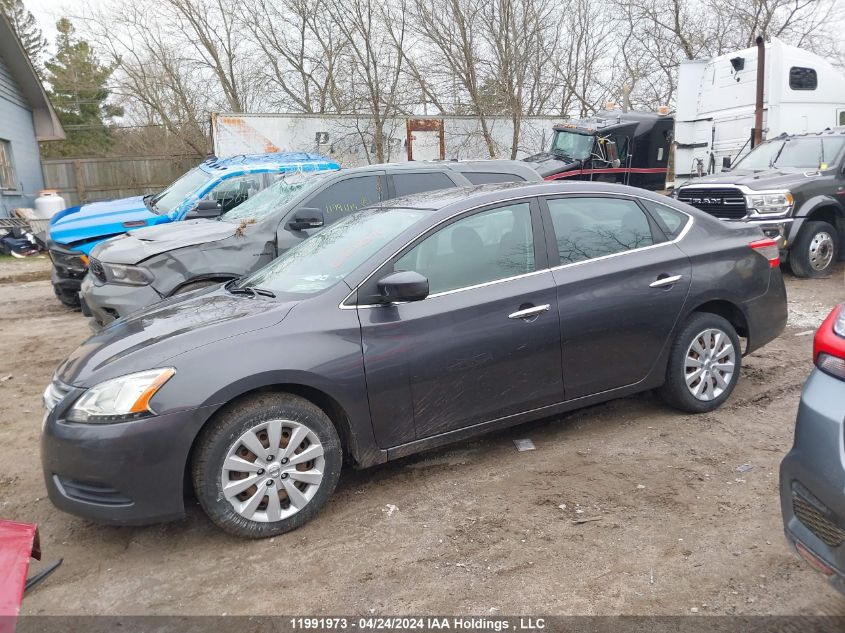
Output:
x=207 y=191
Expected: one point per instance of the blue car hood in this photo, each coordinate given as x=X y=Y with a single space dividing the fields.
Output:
x=98 y=220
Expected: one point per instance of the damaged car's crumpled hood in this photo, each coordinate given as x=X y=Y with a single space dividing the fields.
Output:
x=142 y=244
x=147 y=339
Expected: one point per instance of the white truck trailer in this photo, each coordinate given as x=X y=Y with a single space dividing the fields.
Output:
x=349 y=139
x=714 y=118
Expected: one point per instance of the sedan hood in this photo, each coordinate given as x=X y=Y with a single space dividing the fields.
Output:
x=98 y=220
x=548 y=164
x=759 y=180
x=143 y=243
x=147 y=339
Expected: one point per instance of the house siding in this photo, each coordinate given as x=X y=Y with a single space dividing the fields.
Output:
x=16 y=126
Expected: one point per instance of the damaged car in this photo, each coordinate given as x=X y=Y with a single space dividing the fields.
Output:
x=399 y=328
x=210 y=190
x=133 y=271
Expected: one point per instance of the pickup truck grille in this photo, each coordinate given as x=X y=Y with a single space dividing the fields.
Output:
x=722 y=202
x=96 y=269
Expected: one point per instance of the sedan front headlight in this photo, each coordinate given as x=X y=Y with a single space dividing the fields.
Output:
x=770 y=202
x=127 y=275
x=120 y=399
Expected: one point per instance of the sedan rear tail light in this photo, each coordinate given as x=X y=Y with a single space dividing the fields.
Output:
x=829 y=344
x=768 y=248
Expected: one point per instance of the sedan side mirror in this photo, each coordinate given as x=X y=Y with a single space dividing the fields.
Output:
x=306 y=218
x=407 y=285
x=206 y=209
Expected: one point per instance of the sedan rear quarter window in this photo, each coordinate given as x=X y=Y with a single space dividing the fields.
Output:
x=587 y=228
x=673 y=221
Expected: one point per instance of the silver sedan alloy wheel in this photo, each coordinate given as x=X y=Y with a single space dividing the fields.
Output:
x=273 y=470
x=710 y=364
x=821 y=250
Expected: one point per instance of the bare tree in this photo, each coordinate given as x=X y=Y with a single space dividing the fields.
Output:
x=301 y=49
x=449 y=26
x=375 y=34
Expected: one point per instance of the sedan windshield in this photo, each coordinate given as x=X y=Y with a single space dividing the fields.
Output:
x=572 y=145
x=274 y=197
x=329 y=256
x=184 y=186
x=795 y=153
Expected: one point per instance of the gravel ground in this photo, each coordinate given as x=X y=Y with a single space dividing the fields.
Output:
x=477 y=528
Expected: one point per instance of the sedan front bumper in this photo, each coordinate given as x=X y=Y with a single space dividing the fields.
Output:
x=812 y=478
x=108 y=302
x=129 y=473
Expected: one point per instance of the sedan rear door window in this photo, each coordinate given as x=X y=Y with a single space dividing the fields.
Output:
x=488 y=246
x=587 y=228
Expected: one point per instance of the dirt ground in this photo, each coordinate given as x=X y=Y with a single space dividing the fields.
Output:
x=477 y=528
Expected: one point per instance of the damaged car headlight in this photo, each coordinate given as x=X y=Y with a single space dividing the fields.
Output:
x=770 y=202
x=127 y=275
x=120 y=399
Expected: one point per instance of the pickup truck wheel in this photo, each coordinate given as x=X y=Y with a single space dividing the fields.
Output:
x=266 y=465
x=704 y=364
x=814 y=250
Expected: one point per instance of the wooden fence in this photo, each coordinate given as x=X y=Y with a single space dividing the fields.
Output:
x=80 y=180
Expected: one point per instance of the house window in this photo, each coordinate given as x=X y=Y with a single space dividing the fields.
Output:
x=803 y=78
x=7 y=170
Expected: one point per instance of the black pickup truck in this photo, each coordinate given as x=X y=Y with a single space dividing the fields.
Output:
x=794 y=188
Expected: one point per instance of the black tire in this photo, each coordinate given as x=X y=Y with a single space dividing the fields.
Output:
x=675 y=391
x=221 y=434
x=69 y=299
x=195 y=285
x=814 y=252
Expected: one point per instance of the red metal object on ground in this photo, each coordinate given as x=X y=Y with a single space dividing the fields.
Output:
x=18 y=542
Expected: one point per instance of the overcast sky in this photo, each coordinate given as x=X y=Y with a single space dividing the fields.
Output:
x=47 y=12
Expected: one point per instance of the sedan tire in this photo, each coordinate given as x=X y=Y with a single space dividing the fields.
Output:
x=704 y=364
x=266 y=465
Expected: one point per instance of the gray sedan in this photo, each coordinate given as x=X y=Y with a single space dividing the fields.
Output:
x=399 y=328
x=812 y=476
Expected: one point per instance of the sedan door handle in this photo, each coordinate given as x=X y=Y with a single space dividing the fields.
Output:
x=665 y=281
x=529 y=312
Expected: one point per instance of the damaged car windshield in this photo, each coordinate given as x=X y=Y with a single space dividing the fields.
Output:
x=572 y=145
x=326 y=258
x=173 y=196
x=274 y=197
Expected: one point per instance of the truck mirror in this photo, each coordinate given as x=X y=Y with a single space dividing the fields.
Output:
x=612 y=153
x=726 y=162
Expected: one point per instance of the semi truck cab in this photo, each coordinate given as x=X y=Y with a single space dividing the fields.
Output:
x=630 y=148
